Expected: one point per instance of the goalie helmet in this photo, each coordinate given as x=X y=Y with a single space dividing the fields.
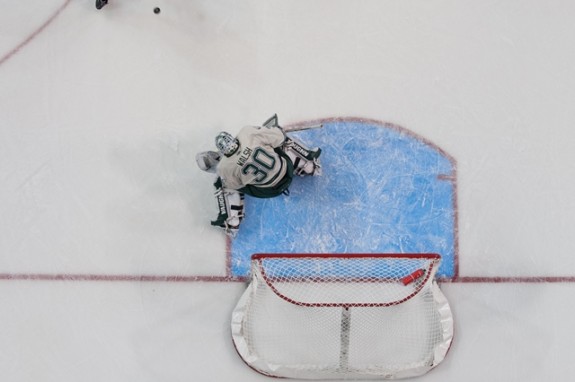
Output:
x=226 y=143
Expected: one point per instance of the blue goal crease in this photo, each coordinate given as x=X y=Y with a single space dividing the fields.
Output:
x=382 y=191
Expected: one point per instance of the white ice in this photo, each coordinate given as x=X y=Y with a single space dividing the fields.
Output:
x=102 y=113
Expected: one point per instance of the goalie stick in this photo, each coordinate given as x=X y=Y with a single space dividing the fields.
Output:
x=273 y=122
x=303 y=127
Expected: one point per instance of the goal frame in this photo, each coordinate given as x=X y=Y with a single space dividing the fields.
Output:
x=259 y=277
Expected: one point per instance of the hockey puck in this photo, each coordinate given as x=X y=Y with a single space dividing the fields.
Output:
x=157 y=10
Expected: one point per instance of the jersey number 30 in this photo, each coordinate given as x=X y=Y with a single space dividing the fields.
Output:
x=261 y=166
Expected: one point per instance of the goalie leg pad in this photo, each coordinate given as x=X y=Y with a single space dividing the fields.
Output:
x=230 y=209
x=305 y=161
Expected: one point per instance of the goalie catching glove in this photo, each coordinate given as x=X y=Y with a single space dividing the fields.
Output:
x=208 y=161
x=230 y=209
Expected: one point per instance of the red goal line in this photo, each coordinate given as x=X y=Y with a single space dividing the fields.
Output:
x=207 y=278
x=508 y=279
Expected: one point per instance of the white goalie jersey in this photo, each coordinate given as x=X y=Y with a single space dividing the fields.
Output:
x=255 y=162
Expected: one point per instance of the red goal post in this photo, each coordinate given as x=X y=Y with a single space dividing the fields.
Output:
x=343 y=316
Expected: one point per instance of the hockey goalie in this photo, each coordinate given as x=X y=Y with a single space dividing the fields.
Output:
x=261 y=162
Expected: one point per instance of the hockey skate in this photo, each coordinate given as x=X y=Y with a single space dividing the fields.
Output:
x=315 y=153
x=100 y=3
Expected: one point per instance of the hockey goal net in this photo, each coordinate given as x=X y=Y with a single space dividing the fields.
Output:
x=342 y=316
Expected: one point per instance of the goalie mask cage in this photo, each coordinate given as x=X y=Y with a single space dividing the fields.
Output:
x=343 y=316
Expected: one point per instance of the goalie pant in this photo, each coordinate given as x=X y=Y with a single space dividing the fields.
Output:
x=230 y=209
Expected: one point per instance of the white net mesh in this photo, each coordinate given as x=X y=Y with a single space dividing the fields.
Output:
x=362 y=316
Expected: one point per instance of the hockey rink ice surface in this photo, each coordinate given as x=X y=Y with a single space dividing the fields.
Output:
x=109 y=268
